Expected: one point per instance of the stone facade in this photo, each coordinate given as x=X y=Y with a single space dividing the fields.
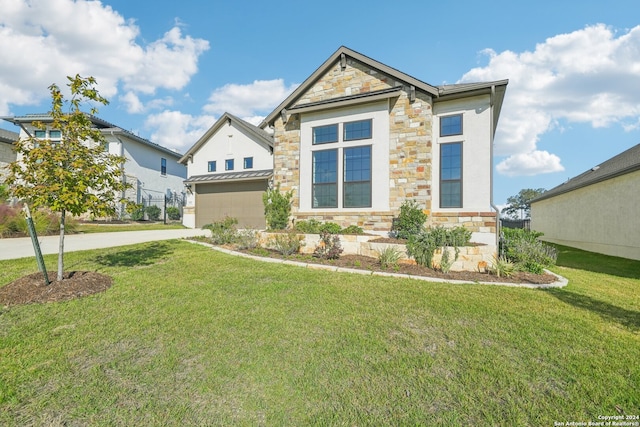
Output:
x=410 y=143
x=477 y=222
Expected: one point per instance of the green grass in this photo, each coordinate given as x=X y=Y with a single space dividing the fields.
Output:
x=106 y=228
x=190 y=336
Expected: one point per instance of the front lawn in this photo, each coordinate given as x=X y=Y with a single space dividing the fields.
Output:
x=191 y=336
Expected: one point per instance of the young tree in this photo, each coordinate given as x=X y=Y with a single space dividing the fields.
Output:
x=74 y=175
x=519 y=206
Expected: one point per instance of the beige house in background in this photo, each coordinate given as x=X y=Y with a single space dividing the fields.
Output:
x=7 y=152
x=597 y=211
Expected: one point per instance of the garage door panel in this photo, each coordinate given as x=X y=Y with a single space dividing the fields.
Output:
x=241 y=200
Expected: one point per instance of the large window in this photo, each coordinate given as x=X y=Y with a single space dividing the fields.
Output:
x=325 y=179
x=211 y=167
x=163 y=166
x=357 y=177
x=451 y=125
x=451 y=175
x=325 y=134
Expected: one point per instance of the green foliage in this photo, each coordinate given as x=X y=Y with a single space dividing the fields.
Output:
x=173 y=213
x=311 y=226
x=329 y=246
x=287 y=243
x=8 y=220
x=314 y=226
x=352 y=229
x=526 y=251
x=277 y=208
x=136 y=211
x=422 y=246
x=222 y=232
x=331 y=228
x=246 y=239
x=389 y=256
x=410 y=221
x=4 y=193
x=153 y=212
x=446 y=261
x=502 y=267
x=519 y=206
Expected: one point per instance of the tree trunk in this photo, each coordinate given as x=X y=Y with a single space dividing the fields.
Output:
x=61 y=247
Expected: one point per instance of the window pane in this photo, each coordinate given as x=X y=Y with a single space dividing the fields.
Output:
x=324 y=134
x=40 y=134
x=212 y=166
x=357 y=177
x=325 y=175
x=451 y=175
x=451 y=125
x=228 y=164
x=357 y=130
x=248 y=162
x=54 y=134
x=163 y=166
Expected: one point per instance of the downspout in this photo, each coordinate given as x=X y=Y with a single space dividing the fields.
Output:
x=122 y=175
x=492 y=134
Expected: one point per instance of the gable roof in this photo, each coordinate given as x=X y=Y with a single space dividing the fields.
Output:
x=104 y=126
x=8 y=137
x=258 y=134
x=497 y=88
x=626 y=162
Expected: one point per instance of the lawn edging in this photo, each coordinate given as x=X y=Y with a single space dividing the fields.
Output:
x=559 y=283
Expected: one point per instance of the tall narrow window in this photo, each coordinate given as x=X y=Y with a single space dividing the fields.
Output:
x=228 y=165
x=325 y=134
x=325 y=179
x=451 y=125
x=357 y=177
x=211 y=166
x=451 y=175
x=357 y=130
x=248 y=162
x=163 y=166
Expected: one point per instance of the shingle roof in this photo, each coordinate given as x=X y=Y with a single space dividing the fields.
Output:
x=8 y=136
x=622 y=164
x=230 y=176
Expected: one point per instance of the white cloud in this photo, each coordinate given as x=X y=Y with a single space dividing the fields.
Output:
x=588 y=76
x=261 y=96
x=176 y=130
x=43 y=41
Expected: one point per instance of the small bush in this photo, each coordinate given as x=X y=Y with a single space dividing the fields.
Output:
x=410 y=221
x=502 y=267
x=277 y=208
x=523 y=248
x=311 y=226
x=389 y=256
x=352 y=229
x=287 y=243
x=446 y=261
x=422 y=246
x=222 y=232
x=136 y=211
x=153 y=212
x=8 y=220
x=329 y=246
x=173 y=213
x=246 y=239
x=330 y=227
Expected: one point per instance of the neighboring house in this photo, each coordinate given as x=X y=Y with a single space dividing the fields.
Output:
x=596 y=211
x=7 y=153
x=229 y=169
x=152 y=170
x=358 y=138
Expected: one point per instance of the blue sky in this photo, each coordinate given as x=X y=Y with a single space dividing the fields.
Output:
x=170 y=69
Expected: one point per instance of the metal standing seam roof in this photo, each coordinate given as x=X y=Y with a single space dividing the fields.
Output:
x=626 y=162
x=229 y=176
x=101 y=124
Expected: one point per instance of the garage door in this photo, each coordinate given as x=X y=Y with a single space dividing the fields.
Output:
x=241 y=200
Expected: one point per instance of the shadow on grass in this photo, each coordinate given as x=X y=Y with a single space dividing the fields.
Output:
x=609 y=312
x=597 y=263
x=148 y=255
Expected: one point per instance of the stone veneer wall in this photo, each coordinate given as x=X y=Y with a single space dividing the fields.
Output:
x=410 y=149
x=479 y=222
x=7 y=155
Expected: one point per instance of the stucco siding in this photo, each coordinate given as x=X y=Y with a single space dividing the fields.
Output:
x=601 y=217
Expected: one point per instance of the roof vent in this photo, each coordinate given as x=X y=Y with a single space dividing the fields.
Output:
x=595 y=168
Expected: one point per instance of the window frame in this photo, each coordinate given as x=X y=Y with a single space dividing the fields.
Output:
x=443 y=127
x=459 y=180
x=248 y=162
x=211 y=163
x=359 y=138
x=229 y=164
x=163 y=166
x=315 y=128
x=324 y=184
x=344 y=177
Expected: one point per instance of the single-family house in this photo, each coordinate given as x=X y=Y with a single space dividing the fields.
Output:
x=228 y=171
x=7 y=152
x=358 y=138
x=152 y=170
x=597 y=210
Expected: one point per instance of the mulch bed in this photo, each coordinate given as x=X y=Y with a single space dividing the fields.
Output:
x=32 y=289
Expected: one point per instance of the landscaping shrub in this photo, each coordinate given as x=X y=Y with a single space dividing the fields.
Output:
x=502 y=267
x=277 y=208
x=222 y=232
x=8 y=220
x=389 y=256
x=246 y=239
x=311 y=226
x=410 y=221
x=173 y=213
x=287 y=243
x=526 y=251
x=329 y=246
x=136 y=211
x=352 y=229
x=423 y=245
x=153 y=212
x=330 y=227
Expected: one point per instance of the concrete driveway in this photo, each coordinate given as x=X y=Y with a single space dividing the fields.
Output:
x=22 y=247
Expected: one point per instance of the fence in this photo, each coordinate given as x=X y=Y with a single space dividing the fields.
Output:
x=516 y=223
x=162 y=202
